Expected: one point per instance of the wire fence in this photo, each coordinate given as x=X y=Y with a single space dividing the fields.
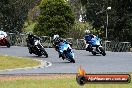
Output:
x=114 y=46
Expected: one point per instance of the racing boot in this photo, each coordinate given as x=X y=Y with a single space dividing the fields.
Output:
x=62 y=55
x=30 y=50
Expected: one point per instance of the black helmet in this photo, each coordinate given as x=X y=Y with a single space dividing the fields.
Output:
x=30 y=34
x=61 y=39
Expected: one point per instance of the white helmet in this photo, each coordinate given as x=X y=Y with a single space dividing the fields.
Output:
x=55 y=36
x=87 y=31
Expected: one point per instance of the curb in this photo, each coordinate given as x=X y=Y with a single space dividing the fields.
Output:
x=42 y=65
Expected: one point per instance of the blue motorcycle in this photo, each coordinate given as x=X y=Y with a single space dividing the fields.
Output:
x=96 y=47
x=67 y=52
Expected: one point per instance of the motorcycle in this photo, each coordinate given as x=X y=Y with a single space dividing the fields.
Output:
x=95 y=46
x=38 y=49
x=4 y=42
x=67 y=51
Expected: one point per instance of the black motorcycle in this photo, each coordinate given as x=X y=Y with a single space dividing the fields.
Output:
x=38 y=49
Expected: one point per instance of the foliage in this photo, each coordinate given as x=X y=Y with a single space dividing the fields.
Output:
x=13 y=14
x=122 y=20
x=78 y=30
x=33 y=14
x=56 y=17
x=76 y=7
x=28 y=26
x=120 y=17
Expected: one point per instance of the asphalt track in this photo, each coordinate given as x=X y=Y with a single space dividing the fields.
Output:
x=112 y=62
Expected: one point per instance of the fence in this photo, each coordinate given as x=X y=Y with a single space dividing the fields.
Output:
x=120 y=46
x=114 y=46
x=17 y=39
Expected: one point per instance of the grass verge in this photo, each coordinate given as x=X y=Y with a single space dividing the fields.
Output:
x=8 y=62
x=51 y=81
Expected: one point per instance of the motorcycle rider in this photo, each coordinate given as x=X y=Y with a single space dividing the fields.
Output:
x=3 y=34
x=30 y=41
x=61 y=43
x=55 y=36
x=87 y=39
x=4 y=39
x=57 y=42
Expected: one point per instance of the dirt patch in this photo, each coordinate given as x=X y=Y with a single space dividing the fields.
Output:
x=36 y=77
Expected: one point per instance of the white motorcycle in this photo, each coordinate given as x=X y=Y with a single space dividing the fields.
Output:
x=38 y=49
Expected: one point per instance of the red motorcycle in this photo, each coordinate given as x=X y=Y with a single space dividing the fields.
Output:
x=4 y=42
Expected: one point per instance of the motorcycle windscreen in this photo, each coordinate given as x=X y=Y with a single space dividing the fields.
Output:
x=63 y=47
x=36 y=42
x=95 y=42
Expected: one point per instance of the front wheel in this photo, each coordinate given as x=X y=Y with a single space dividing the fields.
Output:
x=70 y=56
x=72 y=60
x=94 y=53
x=102 y=51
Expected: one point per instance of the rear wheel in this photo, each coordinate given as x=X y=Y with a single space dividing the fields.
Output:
x=44 y=53
x=39 y=55
x=102 y=51
x=8 y=45
x=94 y=53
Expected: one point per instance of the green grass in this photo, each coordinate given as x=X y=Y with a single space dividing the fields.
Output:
x=7 y=62
x=52 y=82
x=56 y=83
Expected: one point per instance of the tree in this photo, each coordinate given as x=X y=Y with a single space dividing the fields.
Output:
x=56 y=17
x=76 y=7
x=122 y=28
x=78 y=30
x=120 y=17
x=13 y=13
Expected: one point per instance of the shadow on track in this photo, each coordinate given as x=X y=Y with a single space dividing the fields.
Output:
x=94 y=55
x=61 y=62
x=4 y=47
x=33 y=56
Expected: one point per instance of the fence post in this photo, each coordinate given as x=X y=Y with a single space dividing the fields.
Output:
x=77 y=43
x=50 y=42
